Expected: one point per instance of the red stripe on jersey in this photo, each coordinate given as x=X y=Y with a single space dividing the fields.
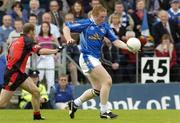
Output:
x=15 y=52
x=24 y=62
x=19 y=52
x=7 y=88
x=13 y=77
x=11 y=81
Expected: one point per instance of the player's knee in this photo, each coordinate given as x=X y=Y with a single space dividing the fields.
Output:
x=95 y=92
x=109 y=81
x=3 y=104
x=36 y=93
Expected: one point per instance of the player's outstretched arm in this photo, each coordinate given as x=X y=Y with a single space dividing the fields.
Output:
x=122 y=45
x=67 y=35
x=45 y=51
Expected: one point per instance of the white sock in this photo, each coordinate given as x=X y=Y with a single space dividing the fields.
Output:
x=78 y=102
x=103 y=108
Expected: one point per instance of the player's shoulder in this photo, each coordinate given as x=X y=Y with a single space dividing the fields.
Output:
x=85 y=21
x=19 y=41
x=78 y=22
x=21 y=38
x=106 y=25
x=27 y=39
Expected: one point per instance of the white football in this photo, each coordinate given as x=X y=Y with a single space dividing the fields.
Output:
x=134 y=44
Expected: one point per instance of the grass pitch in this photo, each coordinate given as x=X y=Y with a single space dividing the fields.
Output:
x=92 y=116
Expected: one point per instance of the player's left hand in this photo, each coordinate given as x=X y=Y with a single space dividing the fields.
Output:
x=70 y=41
x=60 y=48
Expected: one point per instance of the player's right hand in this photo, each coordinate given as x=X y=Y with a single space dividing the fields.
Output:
x=134 y=51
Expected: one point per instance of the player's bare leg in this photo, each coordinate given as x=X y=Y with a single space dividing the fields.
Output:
x=5 y=97
x=87 y=95
x=29 y=86
x=102 y=76
x=100 y=80
x=90 y=93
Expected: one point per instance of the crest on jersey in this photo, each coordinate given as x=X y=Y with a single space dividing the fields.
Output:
x=95 y=36
x=91 y=28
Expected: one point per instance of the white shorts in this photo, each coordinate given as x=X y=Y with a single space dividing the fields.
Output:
x=88 y=63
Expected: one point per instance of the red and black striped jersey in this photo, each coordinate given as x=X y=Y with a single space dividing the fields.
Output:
x=19 y=52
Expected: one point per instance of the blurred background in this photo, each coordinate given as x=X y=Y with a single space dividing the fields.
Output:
x=153 y=73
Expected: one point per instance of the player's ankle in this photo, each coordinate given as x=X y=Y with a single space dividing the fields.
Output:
x=77 y=102
x=103 y=108
x=37 y=113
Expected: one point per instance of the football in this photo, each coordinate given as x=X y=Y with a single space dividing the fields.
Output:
x=134 y=44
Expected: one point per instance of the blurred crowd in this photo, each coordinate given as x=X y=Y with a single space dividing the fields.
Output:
x=155 y=22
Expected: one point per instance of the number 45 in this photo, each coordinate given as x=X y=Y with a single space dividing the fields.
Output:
x=149 y=68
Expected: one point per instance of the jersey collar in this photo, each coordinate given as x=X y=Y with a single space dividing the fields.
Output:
x=92 y=19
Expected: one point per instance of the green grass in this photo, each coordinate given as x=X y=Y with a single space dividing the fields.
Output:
x=92 y=116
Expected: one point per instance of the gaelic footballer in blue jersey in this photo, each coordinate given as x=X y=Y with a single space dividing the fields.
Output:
x=92 y=32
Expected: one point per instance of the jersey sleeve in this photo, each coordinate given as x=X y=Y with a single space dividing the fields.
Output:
x=110 y=34
x=78 y=26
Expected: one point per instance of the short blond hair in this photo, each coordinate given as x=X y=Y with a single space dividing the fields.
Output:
x=97 y=9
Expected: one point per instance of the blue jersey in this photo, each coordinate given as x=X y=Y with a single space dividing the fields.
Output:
x=92 y=35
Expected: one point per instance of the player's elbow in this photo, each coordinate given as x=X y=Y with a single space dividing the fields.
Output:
x=66 y=29
x=116 y=43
